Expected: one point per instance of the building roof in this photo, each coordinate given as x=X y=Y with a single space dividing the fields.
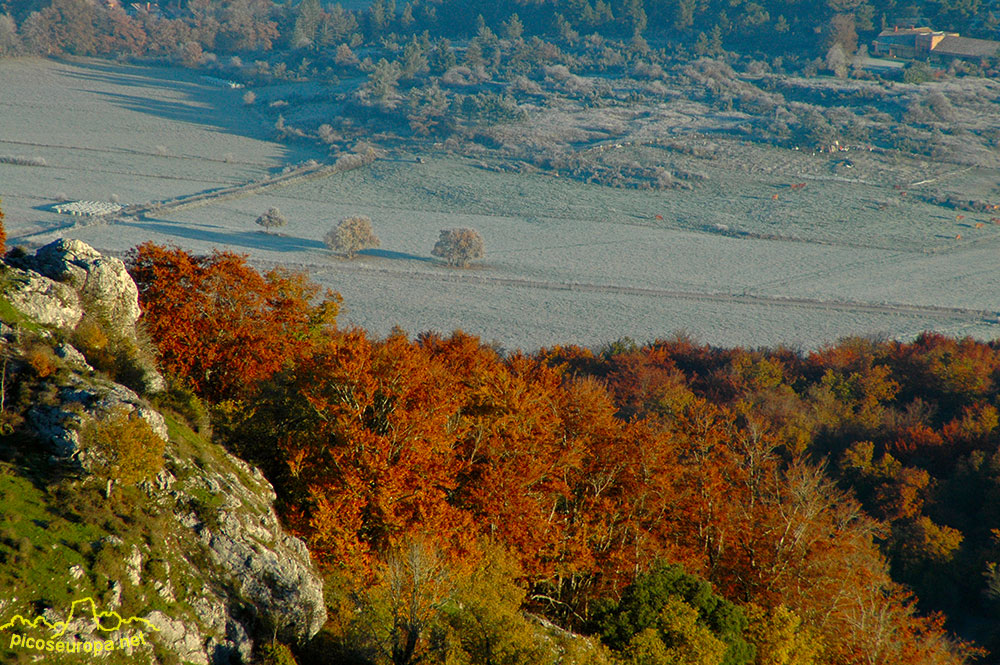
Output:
x=925 y=41
x=895 y=39
x=905 y=31
x=966 y=46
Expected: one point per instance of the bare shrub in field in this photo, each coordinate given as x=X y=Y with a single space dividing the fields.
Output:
x=354 y=160
x=836 y=61
x=522 y=84
x=941 y=107
x=556 y=72
x=461 y=76
x=648 y=71
x=459 y=246
x=20 y=160
x=351 y=236
x=271 y=219
x=123 y=448
x=327 y=134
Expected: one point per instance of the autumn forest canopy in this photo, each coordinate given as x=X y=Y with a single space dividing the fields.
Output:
x=673 y=501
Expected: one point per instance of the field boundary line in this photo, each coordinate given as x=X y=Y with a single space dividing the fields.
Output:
x=746 y=298
x=941 y=177
x=294 y=176
x=132 y=151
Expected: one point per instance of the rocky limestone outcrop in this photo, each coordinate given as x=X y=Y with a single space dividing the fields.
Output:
x=102 y=282
x=241 y=576
x=272 y=588
x=226 y=573
x=79 y=399
x=66 y=279
x=46 y=301
x=268 y=563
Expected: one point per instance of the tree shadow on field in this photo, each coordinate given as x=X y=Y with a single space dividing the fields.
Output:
x=387 y=254
x=195 y=100
x=194 y=113
x=134 y=75
x=248 y=239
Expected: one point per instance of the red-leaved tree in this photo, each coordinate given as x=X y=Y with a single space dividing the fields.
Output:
x=219 y=324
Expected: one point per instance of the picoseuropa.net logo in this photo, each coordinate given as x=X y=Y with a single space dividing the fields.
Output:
x=108 y=625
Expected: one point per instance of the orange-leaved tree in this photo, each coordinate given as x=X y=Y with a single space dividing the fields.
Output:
x=365 y=433
x=219 y=324
x=508 y=440
x=717 y=487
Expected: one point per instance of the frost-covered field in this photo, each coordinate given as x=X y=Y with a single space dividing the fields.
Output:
x=566 y=262
x=107 y=131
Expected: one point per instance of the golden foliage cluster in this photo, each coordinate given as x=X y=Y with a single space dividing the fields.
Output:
x=123 y=447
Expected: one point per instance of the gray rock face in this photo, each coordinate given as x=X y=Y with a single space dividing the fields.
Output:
x=80 y=399
x=228 y=572
x=46 y=301
x=102 y=281
x=261 y=582
x=68 y=279
x=268 y=584
x=262 y=579
x=177 y=638
x=273 y=573
x=73 y=357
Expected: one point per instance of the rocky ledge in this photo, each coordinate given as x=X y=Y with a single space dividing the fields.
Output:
x=223 y=573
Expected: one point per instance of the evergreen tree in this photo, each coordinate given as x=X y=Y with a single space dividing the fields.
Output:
x=513 y=28
x=308 y=17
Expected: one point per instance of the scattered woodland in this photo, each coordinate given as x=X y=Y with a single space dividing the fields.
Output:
x=443 y=72
x=664 y=502
x=189 y=29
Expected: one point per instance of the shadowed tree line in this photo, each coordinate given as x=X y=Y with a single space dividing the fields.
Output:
x=188 y=30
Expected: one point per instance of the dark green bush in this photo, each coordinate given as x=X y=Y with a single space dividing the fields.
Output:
x=644 y=600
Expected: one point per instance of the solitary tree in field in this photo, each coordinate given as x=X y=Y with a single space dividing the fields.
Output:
x=459 y=246
x=351 y=236
x=272 y=219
